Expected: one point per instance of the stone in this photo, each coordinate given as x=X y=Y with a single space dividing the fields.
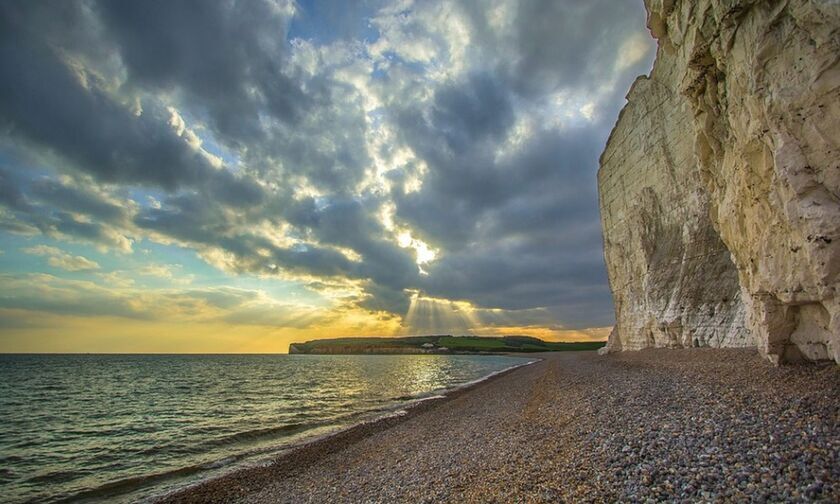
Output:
x=720 y=183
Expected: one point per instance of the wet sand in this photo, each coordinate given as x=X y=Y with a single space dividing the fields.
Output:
x=654 y=425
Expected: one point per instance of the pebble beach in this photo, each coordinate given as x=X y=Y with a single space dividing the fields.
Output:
x=649 y=426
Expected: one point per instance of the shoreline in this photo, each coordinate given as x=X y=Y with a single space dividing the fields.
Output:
x=696 y=424
x=329 y=442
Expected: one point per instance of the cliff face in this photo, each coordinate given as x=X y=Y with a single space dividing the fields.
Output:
x=720 y=184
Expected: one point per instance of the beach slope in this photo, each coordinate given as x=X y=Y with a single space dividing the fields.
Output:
x=662 y=424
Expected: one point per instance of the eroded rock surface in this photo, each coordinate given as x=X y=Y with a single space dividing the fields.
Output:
x=720 y=184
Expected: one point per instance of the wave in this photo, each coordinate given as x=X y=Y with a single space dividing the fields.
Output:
x=55 y=476
x=264 y=449
x=494 y=373
x=126 y=485
x=369 y=417
x=257 y=434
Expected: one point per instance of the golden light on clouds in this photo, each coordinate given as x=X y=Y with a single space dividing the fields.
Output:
x=239 y=321
x=549 y=333
x=428 y=315
x=423 y=253
x=34 y=332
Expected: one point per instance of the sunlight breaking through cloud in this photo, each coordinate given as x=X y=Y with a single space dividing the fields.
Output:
x=420 y=166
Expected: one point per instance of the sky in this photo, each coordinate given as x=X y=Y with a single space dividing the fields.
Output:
x=233 y=176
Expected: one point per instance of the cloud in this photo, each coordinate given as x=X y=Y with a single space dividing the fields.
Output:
x=516 y=231
x=340 y=161
x=466 y=113
x=543 y=46
x=116 y=279
x=58 y=296
x=88 y=200
x=58 y=258
x=157 y=270
x=64 y=209
x=226 y=57
x=52 y=104
x=172 y=273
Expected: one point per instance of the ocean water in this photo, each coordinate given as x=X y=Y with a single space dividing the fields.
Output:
x=126 y=428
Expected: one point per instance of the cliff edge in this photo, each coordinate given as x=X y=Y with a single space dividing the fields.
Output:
x=720 y=184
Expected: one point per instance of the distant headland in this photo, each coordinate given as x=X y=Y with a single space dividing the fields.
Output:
x=437 y=344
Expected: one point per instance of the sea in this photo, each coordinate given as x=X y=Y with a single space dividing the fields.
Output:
x=130 y=428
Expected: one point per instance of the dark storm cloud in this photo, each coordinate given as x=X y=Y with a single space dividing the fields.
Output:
x=78 y=199
x=350 y=224
x=469 y=194
x=383 y=298
x=558 y=44
x=522 y=231
x=11 y=195
x=43 y=101
x=50 y=207
x=540 y=247
x=225 y=57
x=570 y=43
x=226 y=61
x=475 y=110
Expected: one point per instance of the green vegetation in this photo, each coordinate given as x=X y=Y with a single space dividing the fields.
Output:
x=438 y=344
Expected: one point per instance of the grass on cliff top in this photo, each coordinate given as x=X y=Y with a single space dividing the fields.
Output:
x=452 y=343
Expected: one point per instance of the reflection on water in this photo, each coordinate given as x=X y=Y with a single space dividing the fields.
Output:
x=128 y=426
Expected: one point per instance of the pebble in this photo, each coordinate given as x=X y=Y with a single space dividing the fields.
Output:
x=656 y=425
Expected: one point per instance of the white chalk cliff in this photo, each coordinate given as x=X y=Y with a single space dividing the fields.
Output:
x=720 y=183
